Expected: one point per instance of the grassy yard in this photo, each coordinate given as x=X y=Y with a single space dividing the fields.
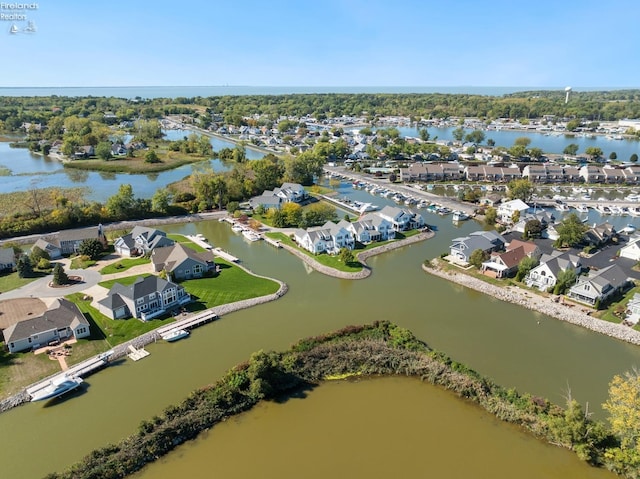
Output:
x=82 y=262
x=13 y=281
x=324 y=259
x=186 y=242
x=232 y=284
x=126 y=281
x=124 y=265
x=616 y=311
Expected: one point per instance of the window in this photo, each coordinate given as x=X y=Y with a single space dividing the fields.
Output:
x=139 y=300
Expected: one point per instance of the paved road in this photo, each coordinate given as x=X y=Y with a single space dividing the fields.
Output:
x=40 y=287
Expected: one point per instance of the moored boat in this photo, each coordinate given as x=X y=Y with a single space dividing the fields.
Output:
x=57 y=387
x=174 y=335
x=251 y=235
x=459 y=216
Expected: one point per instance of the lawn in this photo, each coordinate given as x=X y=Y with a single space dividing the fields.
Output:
x=618 y=307
x=124 y=265
x=126 y=281
x=82 y=262
x=232 y=284
x=186 y=242
x=324 y=259
x=13 y=281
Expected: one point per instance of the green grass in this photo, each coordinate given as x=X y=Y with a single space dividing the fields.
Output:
x=609 y=314
x=186 y=242
x=82 y=262
x=232 y=284
x=324 y=259
x=13 y=281
x=124 y=265
x=110 y=330
x=126 y=281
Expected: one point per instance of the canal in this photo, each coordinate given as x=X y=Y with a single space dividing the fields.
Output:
x=515 y=347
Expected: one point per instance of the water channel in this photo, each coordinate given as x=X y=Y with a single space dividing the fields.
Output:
x=514 y=346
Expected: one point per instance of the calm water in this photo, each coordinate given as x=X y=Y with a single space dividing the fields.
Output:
x=515 y=347
x=377 y=428
x=205 y=91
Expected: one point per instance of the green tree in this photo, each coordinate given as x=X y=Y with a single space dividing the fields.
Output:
x=573 y=125
x=293 y=213
x=423 y=132
x=571 y=149
x=478 y=257
x=536 y=153
x=521 y=189
x=490 y=216
x=24 y=267
x=613 y=155
x=566 y=278
x=522 y=141
x=59 y=276
x=37 y=254
x=458 y=133
x=526 y=264
x=623 y=407
x=533 y=229
x=476 y=136
x=123 y=203
x=633 y=158
x=515 y=216
x=491 y=142
x=594 y=152
x=91 y=247
x=346 y=256
x=571 y=231
x=161 y=200
x=151 y=157
x=103 y=150
x=517 y=151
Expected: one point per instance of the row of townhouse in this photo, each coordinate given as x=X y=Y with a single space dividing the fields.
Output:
x=376 y=226
x=534 y=173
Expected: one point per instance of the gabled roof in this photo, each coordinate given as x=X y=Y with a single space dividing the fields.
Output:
x=141 y=287
x=7 y=256
x=512 y=257
x=612 y=275
x=45 y=245
x=62 y=314
x=170 y=257
x=527 y=246
x=78 y=234
x=558 y=261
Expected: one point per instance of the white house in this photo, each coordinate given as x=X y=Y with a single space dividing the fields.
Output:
x=507 y=209
x=631 y=250
x=329 y=238
x=545 y=275
x=372 y=227
x=401 y=219
x=142 y=240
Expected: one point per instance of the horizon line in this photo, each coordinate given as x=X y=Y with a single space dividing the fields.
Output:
x=323 y=86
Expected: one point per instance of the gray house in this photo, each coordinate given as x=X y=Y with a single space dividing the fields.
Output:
x=487 y=241
x=141 y=241
x=7 y=259
x=181 y=262
x=68 y=241
x=600 y=285
x=47 y=246
x=61 y=321
x=145 y=299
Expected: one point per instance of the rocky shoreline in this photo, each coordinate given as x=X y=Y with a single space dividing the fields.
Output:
x=362 y=257
x=541 y=304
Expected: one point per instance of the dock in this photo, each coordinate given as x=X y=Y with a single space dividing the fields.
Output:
x=191 y=322
x=137 y=354
x=272 y=242
x=224 y=255
x=200 y=240
x=81 y=369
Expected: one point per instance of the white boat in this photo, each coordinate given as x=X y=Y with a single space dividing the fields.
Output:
x=582 y=208
x=237 y=228
x=629 y=229
x=57 y=387
x=459 y=216
x=251 y=235
x=174 y=335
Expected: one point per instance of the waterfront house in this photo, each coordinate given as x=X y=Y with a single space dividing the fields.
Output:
x=507 y=209
x=631 y=250
x=535 y=173
x=631 y=175
x=328 y=238
x=599 y=286
x=572 y=175
x=633 y=310
x=267 y=201
x=592 y=174
x=601 y=234
x=372 y=227
x=613 y=175
x=145 y=299
x=181 y=262
x=142 y=240
x=555 y=173
x=401 y=219
x=545 y=275
x=52 y=250
x=61 y=321
x=291 y=192
x=7 y=259
x=503 y=265
x=487 y=241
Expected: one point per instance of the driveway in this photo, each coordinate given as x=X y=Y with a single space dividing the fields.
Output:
x=40 y=287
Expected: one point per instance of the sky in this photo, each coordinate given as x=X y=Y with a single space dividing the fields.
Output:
x=544 y=43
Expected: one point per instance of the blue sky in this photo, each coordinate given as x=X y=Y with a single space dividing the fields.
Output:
x=324 y=43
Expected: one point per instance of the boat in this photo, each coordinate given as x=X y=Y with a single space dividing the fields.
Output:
x=459 y=216
x=629 y=229
x=237 y=228
x=174 y=335
x=582 y=208
x=251 y=235
x=57 y=387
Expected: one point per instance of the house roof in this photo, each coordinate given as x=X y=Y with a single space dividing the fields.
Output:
x=7 y=256
x=141 y=287
x=511 y=258
x=62 y=314
x=558 y=261
x=528 y=246
x=79 y=234
x=170 y=257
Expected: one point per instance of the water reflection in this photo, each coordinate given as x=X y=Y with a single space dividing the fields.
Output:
x=77 y=176
x=107 y=175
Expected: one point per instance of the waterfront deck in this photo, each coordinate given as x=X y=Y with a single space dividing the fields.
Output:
x=200 y=240
x=273 y=242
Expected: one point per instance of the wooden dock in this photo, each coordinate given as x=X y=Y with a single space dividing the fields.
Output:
x=190 y=322
x=224 y=255
x=200 y=240
x=272 y=242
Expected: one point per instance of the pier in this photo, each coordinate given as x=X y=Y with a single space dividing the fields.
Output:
x=137 y=354
x=224 y=255
x=191 y=322
x=272 y=242
x=200 y=240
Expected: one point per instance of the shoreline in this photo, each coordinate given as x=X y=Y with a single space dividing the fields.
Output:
x=362 y=257
x=535 y=302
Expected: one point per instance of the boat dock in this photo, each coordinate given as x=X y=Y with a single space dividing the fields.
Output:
x=81 y=369
x=224 y=255
x=137 y=354
x=191 y=322
x=200 y=240
x=272 y=242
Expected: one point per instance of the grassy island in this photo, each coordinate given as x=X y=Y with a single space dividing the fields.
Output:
x=378 y=349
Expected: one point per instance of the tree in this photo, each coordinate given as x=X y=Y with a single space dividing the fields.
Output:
x=91 y=247
x=478 y=257
x=491 y=142
x=346 y=256
x=573 y=124
x=458 y=133
x=566 y=278
x=59 y=276
x=123 y=203
x=623 y=407
x=423 y=132
x=594 y=152
x=571 y=149
x=613 y=155
x=24 y=267
x=37 y=254
x=103 y=150
x=520 y=189
x=526 y=264
x=571 y=231
x=292 y=213
x=536 y=152
x=151 y=157
x=522 y=141
x=476 y=136
x=633 y=158
x=515 y=216
x=161 y=200
x=533 y=229
x=490 y=215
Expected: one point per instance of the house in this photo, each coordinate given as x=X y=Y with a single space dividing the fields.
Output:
x=535 y=173
x=545 y=275
x=7 y=259
x=633 y=310
x=613 y=175
x=631 y=250
x=372 y=227
x=68 y=241
x=601 y=234
x=142 y=240
x=267 y=201
x=401 y=219
x=592 y=174
x=487 y=241
x=53 y=250
x=328 y=238
x=145 y=299
x=507 y=209
x=503 y=265
x=61 y=321
x=599 y=286
x=291 y=192
x=181 y=262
